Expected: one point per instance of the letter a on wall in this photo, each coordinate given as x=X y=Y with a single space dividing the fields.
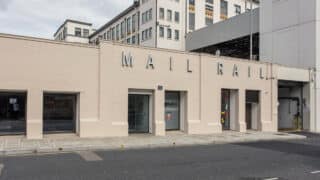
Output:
x=150 y=63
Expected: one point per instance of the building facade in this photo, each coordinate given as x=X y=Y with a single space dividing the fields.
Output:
x=289 y=35
x=74 y=31
x=165 y=23
x=111 y=89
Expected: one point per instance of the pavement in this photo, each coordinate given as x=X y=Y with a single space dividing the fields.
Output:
x=69 y=143
x=297 y=159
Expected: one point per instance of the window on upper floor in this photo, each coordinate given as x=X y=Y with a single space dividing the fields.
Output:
x=176 y=35
x=169 y=33
x=133 y=39
x=108 y=35
x=117 y=32
x=150 y=15
x=86 y=33
x=123 y=29
x=146 y=34
x=223 y=9
x=192 y=6
x=161 y=31
x=150 y=33
x=147 y=16
x=209 y=14
x=134 y=23
x=77 y=32
x=237 y=9
x=128 y=26
x=177 y=17
x=65 y=32
x=161 y=13
x=209 y=1
x=113 y=34
x=192 y=20
x=169 y=15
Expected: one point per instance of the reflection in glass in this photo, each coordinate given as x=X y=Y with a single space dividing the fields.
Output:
x=138 y=115
x=172 y=110
x=225 y=109
x=59 y=113
x=12 y=113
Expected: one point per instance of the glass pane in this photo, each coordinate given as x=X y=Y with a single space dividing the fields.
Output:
x=225 y=109
x=12 y=113
x=172 y=110
x=59 y=113
x=138 y=115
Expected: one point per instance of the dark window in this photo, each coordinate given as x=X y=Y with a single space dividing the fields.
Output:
x=12 y=113
x=192 y=21
x=85 y=32
x=237 y=9
x=224 y=10
x=77 y=32
x=161 y=13
x=59 y=113
x=177 y=17
x=169 y=33
x=161 y=31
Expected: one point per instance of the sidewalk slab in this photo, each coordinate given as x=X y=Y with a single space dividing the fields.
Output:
x=71 y=143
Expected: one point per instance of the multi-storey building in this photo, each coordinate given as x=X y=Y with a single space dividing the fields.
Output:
x=74 y=31
x=164 y=24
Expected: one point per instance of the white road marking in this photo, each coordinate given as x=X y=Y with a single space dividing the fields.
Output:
x=89 y=156
x=275 y=178
x=315 y=172
x=1 y=168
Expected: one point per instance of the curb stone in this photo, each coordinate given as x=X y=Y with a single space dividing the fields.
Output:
x=56 y=150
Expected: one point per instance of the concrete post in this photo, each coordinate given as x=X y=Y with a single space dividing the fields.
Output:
x=34 y=114
x=159 y=128
x=241 y=106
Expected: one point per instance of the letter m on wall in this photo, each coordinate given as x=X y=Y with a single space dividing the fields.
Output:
x=127 y=60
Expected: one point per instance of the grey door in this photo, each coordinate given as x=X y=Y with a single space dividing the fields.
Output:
x=138 y=113
x=172 y=110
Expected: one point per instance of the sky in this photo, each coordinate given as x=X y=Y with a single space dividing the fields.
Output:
x=41 y=18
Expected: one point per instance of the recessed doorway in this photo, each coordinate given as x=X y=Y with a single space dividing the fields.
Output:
x=139 y=113
x=172 y=111
x=229 y=108
x=252 y=109
x=12 y=113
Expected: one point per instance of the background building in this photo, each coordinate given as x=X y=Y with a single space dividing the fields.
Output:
x=165 y=23
x=289 y=35
x=74 y=31
x=283 y=32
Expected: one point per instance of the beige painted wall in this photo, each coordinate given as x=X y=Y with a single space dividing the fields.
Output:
x=102 y=82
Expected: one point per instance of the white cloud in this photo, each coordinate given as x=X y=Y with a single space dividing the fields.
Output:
x=41 y=18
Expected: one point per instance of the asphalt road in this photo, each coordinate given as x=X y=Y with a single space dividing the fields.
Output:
x=292 y=160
